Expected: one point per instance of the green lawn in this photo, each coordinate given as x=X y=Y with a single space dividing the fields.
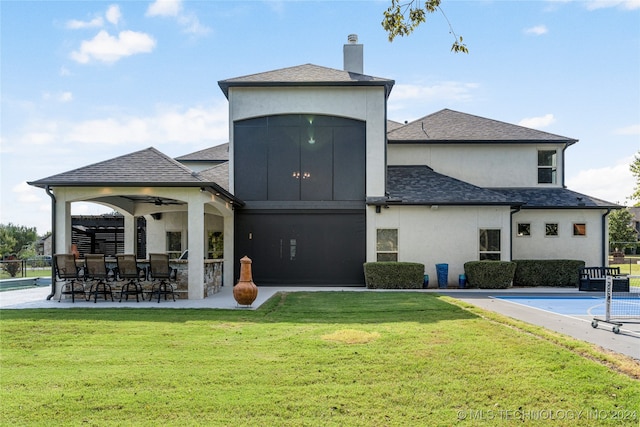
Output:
x=306 y=359
x=29 y=272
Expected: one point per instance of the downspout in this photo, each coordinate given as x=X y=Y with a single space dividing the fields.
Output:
x=53 y=241
x=513 y=212
x=605 y=249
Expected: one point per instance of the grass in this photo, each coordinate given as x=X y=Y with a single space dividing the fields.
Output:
x=305 y=359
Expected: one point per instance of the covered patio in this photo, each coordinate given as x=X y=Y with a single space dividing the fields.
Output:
x=182 y=208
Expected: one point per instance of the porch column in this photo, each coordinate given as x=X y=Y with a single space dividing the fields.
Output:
x=63 y=230
x=130 y=230
x=196 y=248
x=63 y=227
x=229 y=262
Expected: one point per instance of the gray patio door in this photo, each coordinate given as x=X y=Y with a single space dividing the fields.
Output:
x=302 y=248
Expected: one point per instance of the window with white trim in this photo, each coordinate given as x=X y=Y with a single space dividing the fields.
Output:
x=386 y=244
x=490 y=244
x=547 y=169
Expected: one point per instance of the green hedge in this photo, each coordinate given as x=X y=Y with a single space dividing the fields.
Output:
x=547 y=272
x=490 y=274
x=393 y=275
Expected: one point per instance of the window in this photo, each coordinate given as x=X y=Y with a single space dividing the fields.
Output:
x=174 y=244
x=579 y=229
x=489 y=244
x=524 y=230
x=547 y=166
x=387 y=244
x=551 y=229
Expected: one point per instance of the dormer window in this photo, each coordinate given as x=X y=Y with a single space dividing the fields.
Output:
x=547 y=170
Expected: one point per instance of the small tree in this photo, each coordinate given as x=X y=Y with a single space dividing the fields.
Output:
x=621 y=230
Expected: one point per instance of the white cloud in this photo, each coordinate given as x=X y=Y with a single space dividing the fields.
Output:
x=64 y=72
x=537 y=122
x=169 y=126
x=444 y=91
x=191 y=24
x=173 y=8
x=75 y=24
x=610 y=183
x=537 y=30
x=60 y=97
x=113 y=14
x=629 y=130
x=165 y=8
x=106 y=48
x=621 y=4
x=26 y=193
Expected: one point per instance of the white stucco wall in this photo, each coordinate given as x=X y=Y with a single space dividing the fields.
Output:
x=484 y=165
x=365 y=103
x=448 y=234
x=588 y=248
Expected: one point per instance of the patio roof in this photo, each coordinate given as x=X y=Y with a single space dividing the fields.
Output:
x=144 y=168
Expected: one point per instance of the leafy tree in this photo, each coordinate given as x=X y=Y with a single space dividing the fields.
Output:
x=400 y=19
x=13 y=238
x=634 y=167
x=621 y=229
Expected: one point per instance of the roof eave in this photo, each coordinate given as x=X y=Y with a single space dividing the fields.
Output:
x=568 y=142
x=225 y=85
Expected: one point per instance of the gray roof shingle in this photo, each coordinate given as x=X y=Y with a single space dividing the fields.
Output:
x=448 y=126
x=218 y=174
x=305 y=75
x=219 y=153
x=420 y=185
x=147 y=167
x=549 y=198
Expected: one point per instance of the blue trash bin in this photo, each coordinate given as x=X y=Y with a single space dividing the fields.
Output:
x=462 y=281
x=425 y=282
x=442 y=271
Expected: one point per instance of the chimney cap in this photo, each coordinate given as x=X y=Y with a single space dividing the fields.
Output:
x=353 y=38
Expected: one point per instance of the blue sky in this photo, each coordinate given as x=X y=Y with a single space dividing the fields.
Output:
x=86 y=81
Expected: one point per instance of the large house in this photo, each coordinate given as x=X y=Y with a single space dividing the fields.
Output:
x=315 y=181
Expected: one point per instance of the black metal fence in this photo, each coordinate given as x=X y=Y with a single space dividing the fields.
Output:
x=15 y=268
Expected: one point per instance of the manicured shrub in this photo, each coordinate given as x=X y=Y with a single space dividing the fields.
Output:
x=547 y=272
x=490 y=274
x=393 y=275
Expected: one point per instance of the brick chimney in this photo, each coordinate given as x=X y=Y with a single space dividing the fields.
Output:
x=353 y=58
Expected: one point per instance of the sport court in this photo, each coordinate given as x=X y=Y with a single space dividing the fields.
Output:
x=624 y=309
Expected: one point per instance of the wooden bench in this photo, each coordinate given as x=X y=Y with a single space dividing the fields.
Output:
x=594 y=279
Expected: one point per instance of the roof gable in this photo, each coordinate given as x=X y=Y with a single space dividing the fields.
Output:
x=147 y=167
x=448 y=126
x=305 y=75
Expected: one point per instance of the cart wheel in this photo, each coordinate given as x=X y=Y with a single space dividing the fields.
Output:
x=594 y=323
x=616 y=329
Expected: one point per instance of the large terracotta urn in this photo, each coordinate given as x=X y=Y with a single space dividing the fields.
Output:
x=245 y=291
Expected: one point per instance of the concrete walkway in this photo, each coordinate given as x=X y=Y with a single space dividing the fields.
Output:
x=626 y=342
